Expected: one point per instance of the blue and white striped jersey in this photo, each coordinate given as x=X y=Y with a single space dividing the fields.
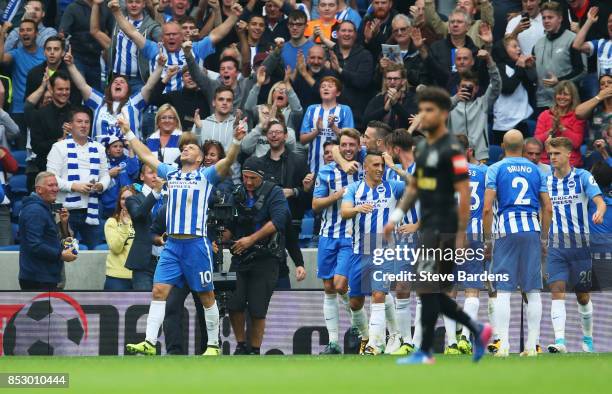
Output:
x=412 y=216
x=331 y=179
x=518 y=184
x=478 y=173
x=201 y=50
x=188 y=194
x=368 y=228
x=170 y=152
x=126 y=53
x=570 y=197
x=12 y=7
x=602 y=48
x=105 y=122
x=344 y=117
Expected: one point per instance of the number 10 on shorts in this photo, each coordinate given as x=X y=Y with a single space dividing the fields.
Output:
x=205 y=277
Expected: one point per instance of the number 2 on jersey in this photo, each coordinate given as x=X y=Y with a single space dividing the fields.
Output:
x=520 y=198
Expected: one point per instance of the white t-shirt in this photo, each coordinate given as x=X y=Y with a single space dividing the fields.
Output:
x=528 y=38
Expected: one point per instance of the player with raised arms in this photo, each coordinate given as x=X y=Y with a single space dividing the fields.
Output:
x=520 y=190
x=369 y=203
x=442 y=171
x=569 y=261
x=335 y=249
x=188 y=252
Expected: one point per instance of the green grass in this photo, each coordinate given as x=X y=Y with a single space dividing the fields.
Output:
x=558 y=374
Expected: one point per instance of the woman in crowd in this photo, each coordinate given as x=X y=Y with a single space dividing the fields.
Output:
x=119 y=233
x=117 y=99
x=281 y=95
x=518 y=77
x=598 y=111
x=164 y=142
x=561 y=121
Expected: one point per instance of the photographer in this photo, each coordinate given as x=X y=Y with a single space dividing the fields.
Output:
x=262 y=213
x=41 y=253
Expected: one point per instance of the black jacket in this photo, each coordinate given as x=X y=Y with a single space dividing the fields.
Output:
x=139 y=208
x=40 y=249
x=274 y=209
x=186 y=101
x=528 y=77
x=399 y=114
x=439 y=61
x=75 y=22
x=35 y=77
x=357 y=70
x=293 y=169
x=382 y=37
x=45 y=129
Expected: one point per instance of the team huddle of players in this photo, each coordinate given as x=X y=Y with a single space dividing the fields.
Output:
x=519 y=216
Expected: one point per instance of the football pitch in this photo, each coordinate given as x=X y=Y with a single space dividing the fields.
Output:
x=558 y=374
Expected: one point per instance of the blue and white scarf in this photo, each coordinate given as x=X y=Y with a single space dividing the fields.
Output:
x=73 y=199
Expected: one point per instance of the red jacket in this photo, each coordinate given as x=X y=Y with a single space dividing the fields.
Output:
x=573 y=129
x=8 y=164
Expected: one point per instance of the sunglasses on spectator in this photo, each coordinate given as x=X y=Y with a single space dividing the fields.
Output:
x=400 y=30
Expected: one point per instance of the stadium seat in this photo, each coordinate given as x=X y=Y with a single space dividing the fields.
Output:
x=101 y=247
x=82 y=247
x=20 y=157
x=9 y=248
x=16 y=209
x=18 y=185
x=495 y=152
x=531 y=125
x=307 y=228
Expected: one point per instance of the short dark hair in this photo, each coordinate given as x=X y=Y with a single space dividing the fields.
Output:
x=54 y=38
x=349 y=22
x=602 y=173
x=400 y=139
x=222 y=89
x=187 y=19
x=42 y=4
x=382 y=129
x=297 y=15
x=27 y=20
x=230 y=59
x=329 y=142
x=59 y=75
x=256 y=16
x=438 y=96
x=468 y=76
x=463 y=140
x=213 y=144
x=552 y=6
x=80 y=110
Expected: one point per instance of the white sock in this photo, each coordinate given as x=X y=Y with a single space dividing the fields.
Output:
x=330 y=312
x=470 y=306
x=418 y=330
x=491 y=313
x=157 y=311
x=377 y=324
x=557 y=315
x=586 y=313
x=450 y=326
x=534 y=317
x=402 y=309
x=211 y=315
x=390 y=314
x=344 y=301
x=359 y=319
x=502 y=318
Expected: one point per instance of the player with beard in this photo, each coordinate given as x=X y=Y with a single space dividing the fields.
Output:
x=335 y=244
x=442 y=171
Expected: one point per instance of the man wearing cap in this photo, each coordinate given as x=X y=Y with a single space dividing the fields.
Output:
x=257 y=248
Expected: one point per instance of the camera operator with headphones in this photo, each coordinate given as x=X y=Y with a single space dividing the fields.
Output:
x=261 y=212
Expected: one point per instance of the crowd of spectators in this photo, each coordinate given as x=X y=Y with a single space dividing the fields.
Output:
x=297 y=73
